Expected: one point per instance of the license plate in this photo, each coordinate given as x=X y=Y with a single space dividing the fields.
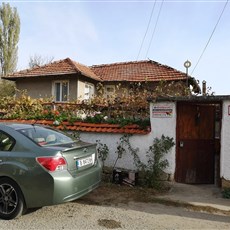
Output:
x=84 y=161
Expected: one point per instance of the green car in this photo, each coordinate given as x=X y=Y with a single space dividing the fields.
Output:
x=40 y=166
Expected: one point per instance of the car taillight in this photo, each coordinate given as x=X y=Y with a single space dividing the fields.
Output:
x=52 y=163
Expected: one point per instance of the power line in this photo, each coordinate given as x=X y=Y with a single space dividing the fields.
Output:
x=210 y=37
x=158 y=16
x=150 y=19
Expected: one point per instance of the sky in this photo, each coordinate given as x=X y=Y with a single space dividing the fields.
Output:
x=110 y=31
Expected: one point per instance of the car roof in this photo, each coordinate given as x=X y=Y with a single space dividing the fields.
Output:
x=18 y=126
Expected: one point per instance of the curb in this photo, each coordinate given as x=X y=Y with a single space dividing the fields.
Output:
x=194 y=207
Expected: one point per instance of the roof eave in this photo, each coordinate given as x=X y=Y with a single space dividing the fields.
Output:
x=47 y=75
x=95 y=79
x=9 y=79
x=36 y=76
x=192 y=98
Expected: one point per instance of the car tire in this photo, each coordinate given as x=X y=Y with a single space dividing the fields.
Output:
x=11 y=199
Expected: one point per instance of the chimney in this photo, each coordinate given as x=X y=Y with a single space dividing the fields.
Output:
x=204 y=87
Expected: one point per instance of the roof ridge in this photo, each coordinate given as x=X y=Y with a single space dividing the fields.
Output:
x=39 y=66
x=78 y=63
x=47 y=64
x=119 y=63
x=136 y=62
x=168 y=67
x=71 y=62
x=75 y=63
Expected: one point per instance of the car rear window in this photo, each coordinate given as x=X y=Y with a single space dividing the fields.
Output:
x=46 y=136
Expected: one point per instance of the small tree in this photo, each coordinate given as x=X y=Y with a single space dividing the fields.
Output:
x=103 y=151
x=9 y=37
x=38 y=60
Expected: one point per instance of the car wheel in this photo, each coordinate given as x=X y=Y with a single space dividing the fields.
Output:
x=11 y=200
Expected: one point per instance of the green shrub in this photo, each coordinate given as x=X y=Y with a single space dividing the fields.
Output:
x=7 y=88
x=156 y=162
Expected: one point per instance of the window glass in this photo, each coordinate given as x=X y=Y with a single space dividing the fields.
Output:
x=89 y=91
x=46 y=136
x=61 y=90
x=64 y=91
x=57 y=91
x=6 y=142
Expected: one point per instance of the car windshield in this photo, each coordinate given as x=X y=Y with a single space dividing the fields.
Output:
x=46 y=136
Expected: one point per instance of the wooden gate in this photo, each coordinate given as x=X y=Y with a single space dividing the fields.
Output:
x=195 y=143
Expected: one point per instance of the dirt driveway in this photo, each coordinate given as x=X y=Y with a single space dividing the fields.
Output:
x=120 y=207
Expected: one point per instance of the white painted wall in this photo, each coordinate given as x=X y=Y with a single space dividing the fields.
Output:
x=225 y=142
x=112 y=141
x=160 y=126
x=165 y=126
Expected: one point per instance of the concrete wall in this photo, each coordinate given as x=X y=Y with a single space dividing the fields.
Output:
x=225 y=143
x=161 y=125
x=42 y=88
x=36 y=88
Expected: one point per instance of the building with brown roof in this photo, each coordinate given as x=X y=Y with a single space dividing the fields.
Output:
x=147 y=73
x=69 y=80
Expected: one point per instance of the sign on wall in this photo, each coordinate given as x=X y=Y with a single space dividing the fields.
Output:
x=162 y=111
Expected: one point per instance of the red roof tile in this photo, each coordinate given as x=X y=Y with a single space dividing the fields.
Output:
x=62 y=67
x=147 y=70
x=88 y=127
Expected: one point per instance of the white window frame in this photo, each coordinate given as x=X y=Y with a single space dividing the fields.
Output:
x=88 y=91
x=61 y=88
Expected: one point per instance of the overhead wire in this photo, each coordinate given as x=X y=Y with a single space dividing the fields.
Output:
x=210 y=37
x=158 y=16
x=147 y=29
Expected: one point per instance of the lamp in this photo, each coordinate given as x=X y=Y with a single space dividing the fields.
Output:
x=187 y=64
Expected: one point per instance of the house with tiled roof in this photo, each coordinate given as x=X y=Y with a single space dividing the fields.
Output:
x=63 y=80
x=148 y=72
x=67 y=80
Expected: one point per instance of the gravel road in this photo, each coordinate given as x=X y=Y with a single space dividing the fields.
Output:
x=118 y=209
